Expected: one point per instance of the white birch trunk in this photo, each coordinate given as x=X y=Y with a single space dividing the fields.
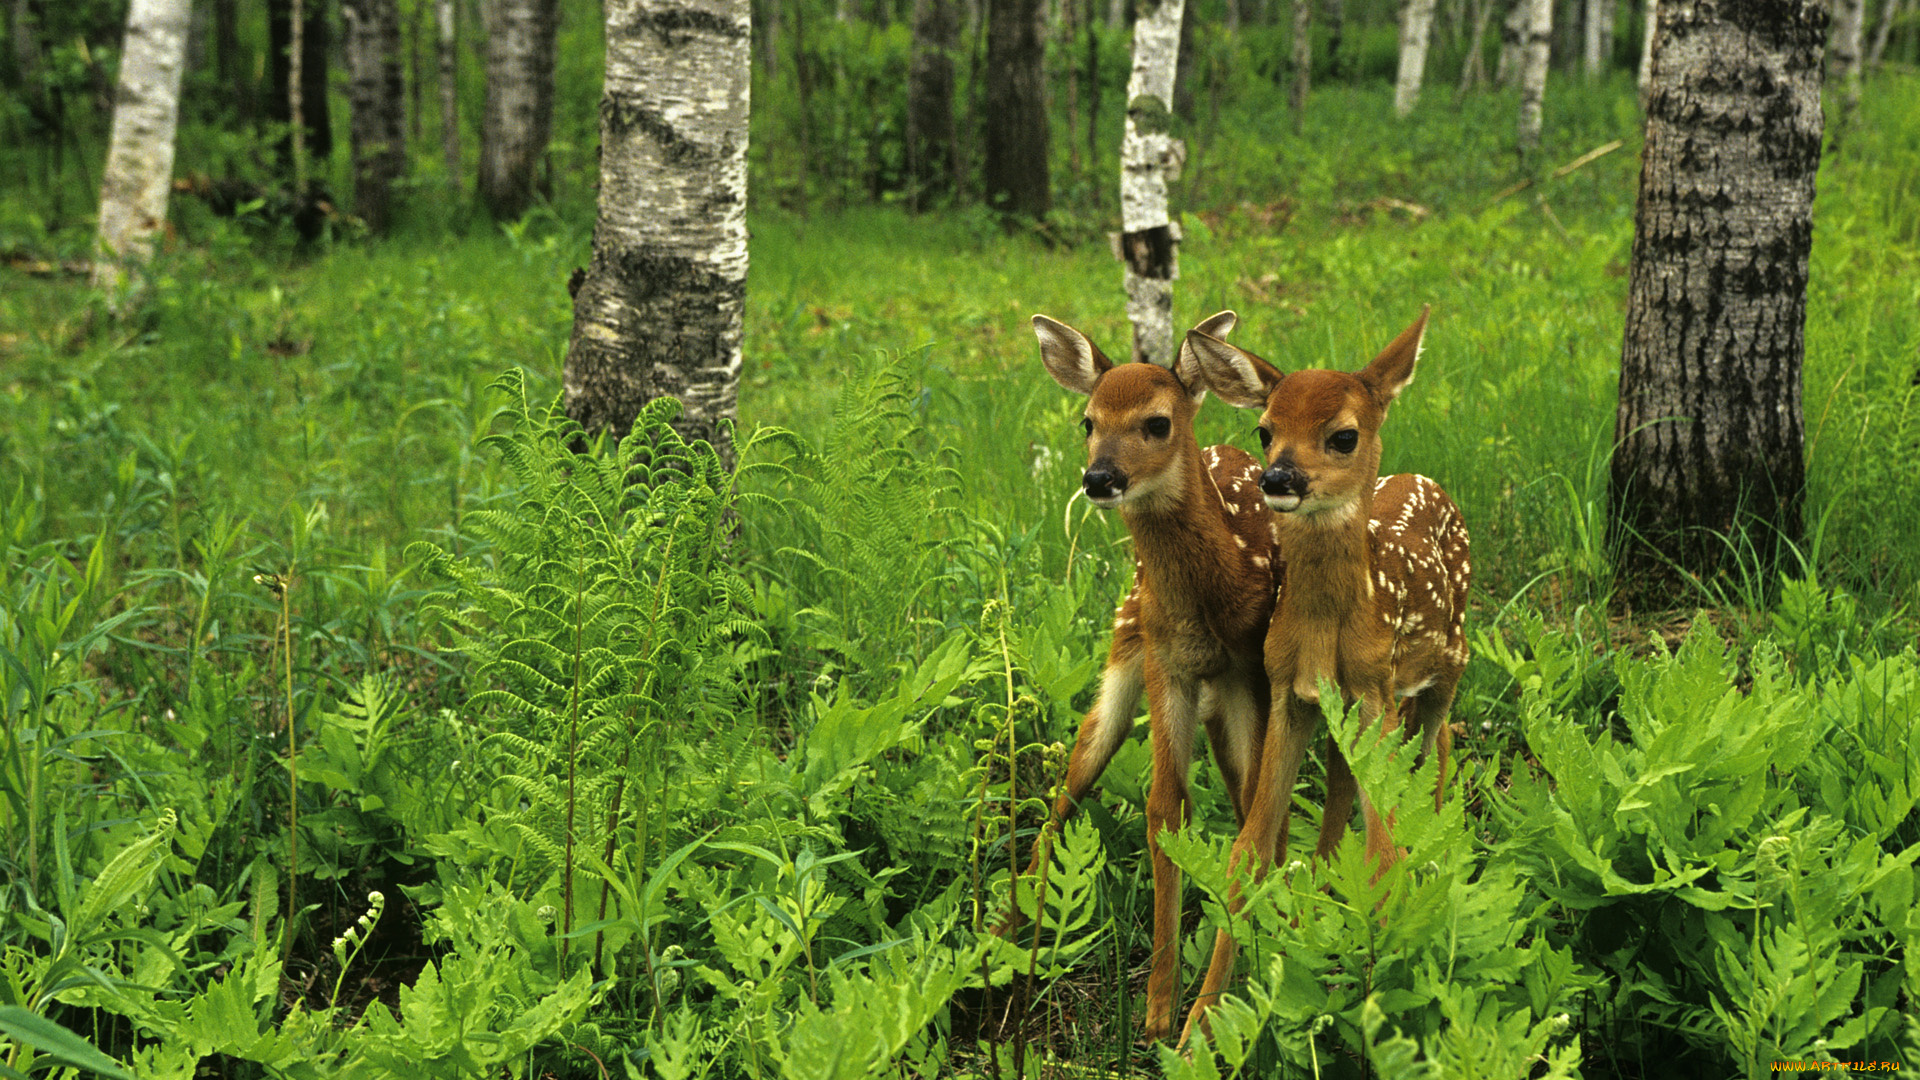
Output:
x=1594 y=25
x=1533 y=71
x=1150 y=160
x=1846 y=39
x=1416 y=28
x=1646 y=49
x=139 y=169
x=660 y=308
x=444 y=17
x=1888 y=12
x=1844 y=45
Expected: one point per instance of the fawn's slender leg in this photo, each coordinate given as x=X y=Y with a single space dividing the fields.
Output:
x=1290 y=730
x=1172 y=699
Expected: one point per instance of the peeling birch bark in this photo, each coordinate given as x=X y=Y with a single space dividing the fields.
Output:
x=659 y=309
x=146 y=111
x=1150 y=161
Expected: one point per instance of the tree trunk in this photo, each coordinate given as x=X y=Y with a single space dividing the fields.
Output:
x=1093 y=89
x=231 y=73
x=1473 y=71
x=1416 y=26
x=312 y=44
x=1150 y=161
x=518 y=120
x=930 y=135
x=139 y=170
x=377 y=93
x=1844 y=59
x=1646 y=50
x=445 y=16
x=1302 y=62
x=1888 y=12
x=1016 y=176
x=23 y=28
x=1594 y=23
x=1533 y=71
x=1708 y=435
x=1513 y=43
x=659 y=310
x=1335 y=13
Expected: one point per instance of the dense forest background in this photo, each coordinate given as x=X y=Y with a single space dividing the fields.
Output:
x=364 y=717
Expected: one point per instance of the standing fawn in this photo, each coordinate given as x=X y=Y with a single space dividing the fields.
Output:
x=1190 y=633
x=1374 y=591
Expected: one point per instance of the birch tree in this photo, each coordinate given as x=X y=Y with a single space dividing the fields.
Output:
x=376 y=89
x=1844 y=59
x=1535 y=46
x=1150 y=161
x=659 y=309
x=1416 y=27
x=139 y=169
x=1597 y=28
x=1302 y=62
x=1889 y=11
x=446 y=21
x=1708 y=436
x=1646 y=50
x=518 y=121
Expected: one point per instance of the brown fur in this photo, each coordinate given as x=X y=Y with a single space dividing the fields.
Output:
x=1191 y=633
x=1374 y=595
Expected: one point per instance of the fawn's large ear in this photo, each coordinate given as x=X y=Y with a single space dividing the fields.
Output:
x=1186 y=363
x=1073 y=361
x=1238 y=376
x=1392 y=370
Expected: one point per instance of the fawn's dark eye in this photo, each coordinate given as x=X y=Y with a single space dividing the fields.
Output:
x=1343 y=441
x=1266 y=437
x=1159 y=426
x=1086 y=424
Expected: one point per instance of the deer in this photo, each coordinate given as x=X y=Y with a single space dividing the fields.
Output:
x=1190 y=633
x=1371 y=598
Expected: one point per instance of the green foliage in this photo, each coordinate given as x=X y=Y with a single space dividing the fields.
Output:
x=801 y=733
x=1764 y=835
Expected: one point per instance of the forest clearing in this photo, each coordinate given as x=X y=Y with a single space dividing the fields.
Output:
x=367 y=715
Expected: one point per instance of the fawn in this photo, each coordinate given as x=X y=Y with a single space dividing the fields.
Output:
x=1372 y=597
x=1190 y=632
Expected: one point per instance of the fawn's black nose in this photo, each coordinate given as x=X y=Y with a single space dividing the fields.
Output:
x=1103 y=482
x=1281 y=480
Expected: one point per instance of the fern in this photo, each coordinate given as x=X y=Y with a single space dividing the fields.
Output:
x=865 y=525
x=597 y=615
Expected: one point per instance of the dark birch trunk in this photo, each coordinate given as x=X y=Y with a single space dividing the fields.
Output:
x=658 y=312
x=1335 y=12
x=1016 y=176
x=1709 y=430
x=930 y=135
x=314 y=44
x=518 y=120
x=377 y=90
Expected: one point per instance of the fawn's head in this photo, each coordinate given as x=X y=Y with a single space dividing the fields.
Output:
x=1139 y=418
x=1320 y=429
